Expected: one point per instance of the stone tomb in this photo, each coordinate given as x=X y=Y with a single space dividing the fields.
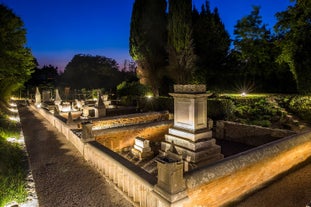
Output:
x=191 y=132
x=141 y=148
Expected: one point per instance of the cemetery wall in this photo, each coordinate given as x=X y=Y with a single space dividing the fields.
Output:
x=238 y=175
x=213 y=185
x=134 y=183
x=248 y=134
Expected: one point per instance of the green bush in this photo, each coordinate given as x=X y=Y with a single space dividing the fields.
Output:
x=160 y=103
x=218 y=108
x=301 y=106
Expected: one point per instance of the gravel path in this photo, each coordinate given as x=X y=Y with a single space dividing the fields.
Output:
x=62 y=177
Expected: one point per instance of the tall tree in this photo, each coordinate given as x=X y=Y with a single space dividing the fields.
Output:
x=16 y=61
x=212 y=43
x=253 y=42
x=148 y=37
x=89 y=72
x=180 y=41
x=294 y=30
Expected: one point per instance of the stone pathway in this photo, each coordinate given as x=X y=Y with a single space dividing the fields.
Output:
x=62 y=177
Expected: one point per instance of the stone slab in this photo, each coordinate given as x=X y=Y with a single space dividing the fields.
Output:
x=186 y=143
x=194 y=137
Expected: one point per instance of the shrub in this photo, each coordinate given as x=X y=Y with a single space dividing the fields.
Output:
x=301 y=106
x=218 y=108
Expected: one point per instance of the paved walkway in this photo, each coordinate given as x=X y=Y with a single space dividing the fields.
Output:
x=62 y=177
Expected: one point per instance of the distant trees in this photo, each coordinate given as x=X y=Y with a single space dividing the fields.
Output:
x=256 y=52
x=45 y=77
x=87 y=71
x=294 y=30
x=16 y=61
x=148 y=41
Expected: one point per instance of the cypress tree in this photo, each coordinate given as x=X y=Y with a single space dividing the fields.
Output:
x=180 y=41
x=212 y=43
x=148 y=38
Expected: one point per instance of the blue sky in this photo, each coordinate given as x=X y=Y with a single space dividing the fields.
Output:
x=59 y=29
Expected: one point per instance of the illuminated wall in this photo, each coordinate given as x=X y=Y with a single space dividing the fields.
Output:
x=238 y=175
x=213 y=185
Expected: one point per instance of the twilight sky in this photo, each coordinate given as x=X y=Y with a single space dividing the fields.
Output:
x=59 y=29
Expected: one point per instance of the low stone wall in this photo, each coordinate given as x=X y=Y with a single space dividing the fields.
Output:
x=127 y=120
x=248 y=134
x=134 y=183
x=212 y=185
x=225 y=181
x=121 y=137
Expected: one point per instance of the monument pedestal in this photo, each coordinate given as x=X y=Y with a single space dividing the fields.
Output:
x=191 y=133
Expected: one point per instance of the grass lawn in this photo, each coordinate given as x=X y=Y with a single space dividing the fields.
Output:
x=13 y=162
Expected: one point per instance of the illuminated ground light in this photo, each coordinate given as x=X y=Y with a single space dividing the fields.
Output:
x=12 y=104
x=243 y=94
x=32 y=198
x=14 y=118
x=14 y=110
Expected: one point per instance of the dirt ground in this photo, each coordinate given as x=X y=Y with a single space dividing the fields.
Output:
x=62 y=177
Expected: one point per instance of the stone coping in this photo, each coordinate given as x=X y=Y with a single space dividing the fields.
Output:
x=190 y=88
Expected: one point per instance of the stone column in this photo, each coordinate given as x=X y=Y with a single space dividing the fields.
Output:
x=87 y=133
x=171 y=187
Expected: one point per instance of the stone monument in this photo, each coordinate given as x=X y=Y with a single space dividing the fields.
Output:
x=100 y=108
x=46 y=96
x=37 y=97
x=191 y=132
x=141 y=148
x=57 y=100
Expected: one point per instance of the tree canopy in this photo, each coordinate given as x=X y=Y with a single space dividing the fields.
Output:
x=16 y=61
x=87 y=71
x=294 y=30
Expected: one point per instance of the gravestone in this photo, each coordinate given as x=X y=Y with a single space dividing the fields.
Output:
x=57 y=100
x=37 y=97
x=46 y=96
x=100 y=108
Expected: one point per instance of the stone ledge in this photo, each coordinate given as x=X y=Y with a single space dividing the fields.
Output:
x=201 y=88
